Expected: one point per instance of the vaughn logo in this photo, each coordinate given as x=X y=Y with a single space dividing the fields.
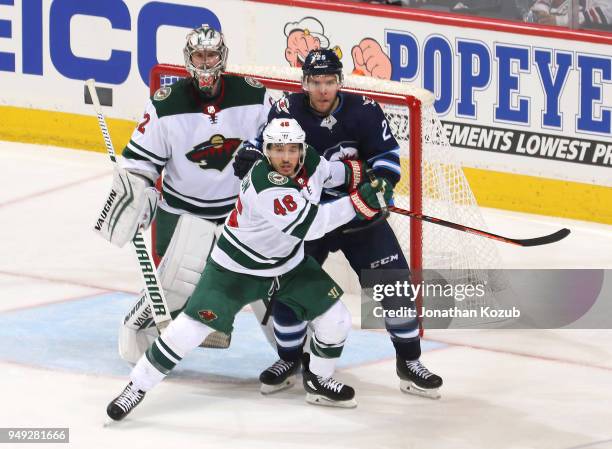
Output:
x=107 y=207
x=214 y=153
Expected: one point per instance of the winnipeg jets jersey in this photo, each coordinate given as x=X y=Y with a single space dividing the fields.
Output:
x=264 y=235
x=356 y=129
x=193 y=140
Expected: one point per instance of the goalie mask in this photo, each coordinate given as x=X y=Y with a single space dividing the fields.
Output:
x=207 y=46
x=282 y=131
x=321 y=62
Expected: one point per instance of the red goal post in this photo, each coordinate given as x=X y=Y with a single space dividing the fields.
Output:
x=433 y=182
x=289 y=79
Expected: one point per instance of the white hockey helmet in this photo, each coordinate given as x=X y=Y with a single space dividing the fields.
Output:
x=207 y=40
x=283 y=131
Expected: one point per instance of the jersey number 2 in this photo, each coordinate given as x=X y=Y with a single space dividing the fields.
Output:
x=141 y=125
x=385 y=133
x=288 y=203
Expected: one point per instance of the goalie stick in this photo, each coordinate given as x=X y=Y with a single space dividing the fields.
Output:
x=153 y=289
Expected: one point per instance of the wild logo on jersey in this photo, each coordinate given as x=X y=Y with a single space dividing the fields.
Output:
x=207 y=315
x=214 y=153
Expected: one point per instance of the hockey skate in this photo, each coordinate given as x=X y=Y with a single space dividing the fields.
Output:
x=123 y=404
x=418 y=380
x=328 y=392
x=280 y=376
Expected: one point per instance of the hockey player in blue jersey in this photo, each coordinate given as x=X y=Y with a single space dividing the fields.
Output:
x=352 y=128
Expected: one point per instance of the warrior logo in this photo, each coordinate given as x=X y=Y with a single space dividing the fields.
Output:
x=334 y=293
x=207 y=315
x=214 y=153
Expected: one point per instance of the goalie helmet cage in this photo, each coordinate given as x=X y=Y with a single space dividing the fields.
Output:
x=432 y=182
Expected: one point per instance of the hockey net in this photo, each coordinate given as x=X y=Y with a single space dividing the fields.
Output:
x=432 y=181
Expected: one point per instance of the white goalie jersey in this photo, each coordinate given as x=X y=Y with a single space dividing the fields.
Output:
x=264 y=235
x=194 y=142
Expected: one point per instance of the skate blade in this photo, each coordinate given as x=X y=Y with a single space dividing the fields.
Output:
x=217 y=340
x=318 y=399
x=411 y=388
x=270 y=389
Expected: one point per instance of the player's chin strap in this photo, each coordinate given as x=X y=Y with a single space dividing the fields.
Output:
x=384 y=209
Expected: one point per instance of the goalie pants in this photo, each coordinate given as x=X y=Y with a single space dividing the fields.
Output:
x=376 y=257
x=307 y=290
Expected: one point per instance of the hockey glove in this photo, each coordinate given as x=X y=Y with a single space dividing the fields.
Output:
x=355 y=173
x=245 y=158
x=365 y=201
x=131 y=204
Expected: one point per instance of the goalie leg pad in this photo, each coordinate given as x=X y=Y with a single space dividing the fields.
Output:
x=179 y=272
x=185 y=258
x=131 y=204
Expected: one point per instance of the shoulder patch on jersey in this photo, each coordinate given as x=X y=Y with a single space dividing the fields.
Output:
x=368 y=100
x=253 y=82
x=162 y=93
x=282 y=105
x=277 y=179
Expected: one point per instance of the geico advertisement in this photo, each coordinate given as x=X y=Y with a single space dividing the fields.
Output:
x=506 y=101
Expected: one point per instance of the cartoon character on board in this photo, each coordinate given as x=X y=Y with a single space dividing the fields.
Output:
x=308 y=34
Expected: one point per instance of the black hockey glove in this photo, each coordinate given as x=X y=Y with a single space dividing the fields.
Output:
x=246 y=156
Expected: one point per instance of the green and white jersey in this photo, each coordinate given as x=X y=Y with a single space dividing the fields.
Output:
x=194 y=141
x=264 y=235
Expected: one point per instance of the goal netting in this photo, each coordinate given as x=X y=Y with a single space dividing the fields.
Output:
x=432 y=182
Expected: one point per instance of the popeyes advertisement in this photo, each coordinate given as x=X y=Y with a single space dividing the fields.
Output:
x=506 y=100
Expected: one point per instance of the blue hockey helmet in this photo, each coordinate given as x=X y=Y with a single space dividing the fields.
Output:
x=322 y=62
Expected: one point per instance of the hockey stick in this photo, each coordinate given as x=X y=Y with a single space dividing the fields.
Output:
x=536 y=241
x=153 y=289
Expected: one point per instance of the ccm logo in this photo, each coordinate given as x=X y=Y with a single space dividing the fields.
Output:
x=384 y=261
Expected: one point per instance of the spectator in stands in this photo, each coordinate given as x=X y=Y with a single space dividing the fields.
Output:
x=591 y=13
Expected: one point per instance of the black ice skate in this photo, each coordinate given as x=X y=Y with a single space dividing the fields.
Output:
x=124 y=403
x=329 y=392
x=418 y=380
x=280 y=376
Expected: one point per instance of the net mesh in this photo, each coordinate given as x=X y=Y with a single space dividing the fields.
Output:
x=444 y=189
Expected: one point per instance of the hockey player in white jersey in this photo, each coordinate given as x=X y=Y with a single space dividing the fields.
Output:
x=190 y=131
x=261 y=252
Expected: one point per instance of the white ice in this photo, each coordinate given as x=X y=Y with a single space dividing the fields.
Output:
x=502 y=389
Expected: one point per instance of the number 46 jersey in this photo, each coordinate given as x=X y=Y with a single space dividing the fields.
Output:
x=264 y=235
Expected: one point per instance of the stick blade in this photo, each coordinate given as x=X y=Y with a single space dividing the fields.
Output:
x=546 y=239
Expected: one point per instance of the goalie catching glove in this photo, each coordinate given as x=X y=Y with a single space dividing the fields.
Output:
x=131 y=203
x=365 y=200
